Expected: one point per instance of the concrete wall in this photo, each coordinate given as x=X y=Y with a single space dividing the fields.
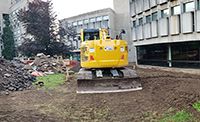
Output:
x=123 y=21
x=147 y=30
x=187 y=18
x=164 y=26
x=198 y=21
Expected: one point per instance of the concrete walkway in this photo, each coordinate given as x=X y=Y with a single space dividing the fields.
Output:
x=181 y=70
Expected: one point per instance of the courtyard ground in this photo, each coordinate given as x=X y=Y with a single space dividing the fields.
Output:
x=164 y=91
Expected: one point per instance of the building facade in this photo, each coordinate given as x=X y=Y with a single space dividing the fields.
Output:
x=164 y=32
x=11 y=8
x=104 y=18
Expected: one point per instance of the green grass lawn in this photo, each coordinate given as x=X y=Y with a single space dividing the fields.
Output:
x=51 y=81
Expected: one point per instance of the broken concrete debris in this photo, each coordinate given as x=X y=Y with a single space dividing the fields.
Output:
x=12 y=77
x=46 y=65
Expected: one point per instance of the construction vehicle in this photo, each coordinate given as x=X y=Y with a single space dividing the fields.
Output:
x=103 y=62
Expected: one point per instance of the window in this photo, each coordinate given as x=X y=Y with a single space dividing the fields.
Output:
x=105 y=17
x=18 y=24
x=80 y=22
x=92 y=19
x=198 y=4
x=68 y=25
x=155 y=16
x=188 y=7
x=140 y=21
x=91 y=36
x=164 y=13
x=98 y=19
x=74 y=23
x=148 y=19
x=17 y=1
x=0 y=28
x=85 y=21
x=176 y=10
x=153 y=55
x=134 y=23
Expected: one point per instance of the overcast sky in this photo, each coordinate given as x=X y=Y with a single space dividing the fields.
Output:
x=69 y=8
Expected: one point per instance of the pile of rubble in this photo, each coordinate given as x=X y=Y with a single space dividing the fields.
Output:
x=45 y=64
x=76 y=68
x=12 y=77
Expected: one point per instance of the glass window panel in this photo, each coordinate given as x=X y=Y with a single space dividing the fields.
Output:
x=165 y=51
x=105 y=17
x=0 y=28
x=148 y=19
x=198 y=4
x=193 y=65
x=98 y=19
x=140 y=21
x=85 y=21
x=68 y=25
x=92 y=19
x=193 y=51
x=177 y=64
x=74 y=23
x=188 y=7
x=176 y=51
x=155 y=16
x=80 y=22
x=176 y=10
x=134 y=23
x=164 y=13
x=184 y=51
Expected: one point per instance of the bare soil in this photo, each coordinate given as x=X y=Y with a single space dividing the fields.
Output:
x=162 y=91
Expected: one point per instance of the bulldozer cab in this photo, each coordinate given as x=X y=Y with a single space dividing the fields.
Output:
x=94 y=34
x=89 y=34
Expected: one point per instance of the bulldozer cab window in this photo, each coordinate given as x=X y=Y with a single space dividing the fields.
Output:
x=91 y=36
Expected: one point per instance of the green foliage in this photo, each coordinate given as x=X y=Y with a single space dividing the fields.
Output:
x=197 y=106
x=169 y=116
x=51 y=81
x=39 y=22
x=8 y=40
x=181 y=116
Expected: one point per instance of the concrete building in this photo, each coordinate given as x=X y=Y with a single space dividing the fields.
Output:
x=164 y=32
x=11 y=7
x=104 y=18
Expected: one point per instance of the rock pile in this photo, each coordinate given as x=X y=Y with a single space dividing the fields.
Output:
x=76 y=68
x=46 y=65
x=12 y=77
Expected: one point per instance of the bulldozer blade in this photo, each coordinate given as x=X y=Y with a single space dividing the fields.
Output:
x=108 y=85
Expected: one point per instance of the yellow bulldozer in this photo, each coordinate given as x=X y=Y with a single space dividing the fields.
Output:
x=103 y=62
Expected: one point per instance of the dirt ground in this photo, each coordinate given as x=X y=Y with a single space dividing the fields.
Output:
x=162 y=91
